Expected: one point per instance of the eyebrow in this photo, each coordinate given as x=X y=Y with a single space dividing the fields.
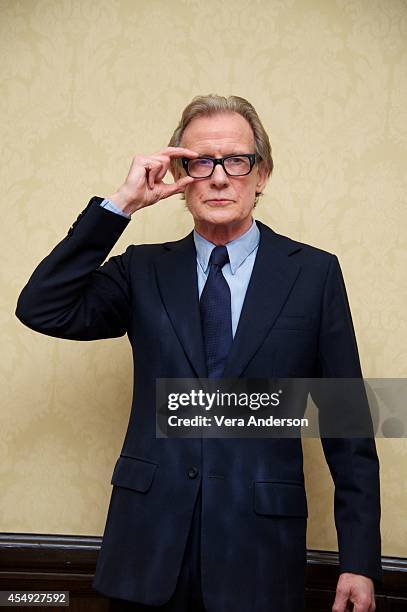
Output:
x=237 y=153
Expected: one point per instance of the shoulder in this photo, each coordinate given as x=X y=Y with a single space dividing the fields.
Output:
x=149 y=252
x=302 y=252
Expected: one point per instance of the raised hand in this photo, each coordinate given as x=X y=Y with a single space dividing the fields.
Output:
x=144 y=183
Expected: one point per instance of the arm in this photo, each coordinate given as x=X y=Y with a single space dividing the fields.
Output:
x=71 y=294
x=353 y=462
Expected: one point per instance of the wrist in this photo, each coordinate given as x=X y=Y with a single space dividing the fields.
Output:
x=122 y=200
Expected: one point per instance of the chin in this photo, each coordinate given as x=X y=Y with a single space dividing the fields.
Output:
x=220 y=217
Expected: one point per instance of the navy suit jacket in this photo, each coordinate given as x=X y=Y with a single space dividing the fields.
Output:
x=295 y=322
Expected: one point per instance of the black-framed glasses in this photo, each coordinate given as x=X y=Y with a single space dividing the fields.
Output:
x=233 y=165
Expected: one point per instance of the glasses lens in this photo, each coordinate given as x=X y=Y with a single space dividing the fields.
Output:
x=200 y=167
x=237 y=166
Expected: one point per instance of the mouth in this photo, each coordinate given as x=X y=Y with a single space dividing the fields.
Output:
x=218 y=201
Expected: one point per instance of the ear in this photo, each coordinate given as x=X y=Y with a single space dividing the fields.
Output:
x=262 y=177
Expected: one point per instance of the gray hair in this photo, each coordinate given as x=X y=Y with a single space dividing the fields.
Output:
x=213 y=104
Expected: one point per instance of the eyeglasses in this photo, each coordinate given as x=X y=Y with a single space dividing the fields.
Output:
x=233 y=165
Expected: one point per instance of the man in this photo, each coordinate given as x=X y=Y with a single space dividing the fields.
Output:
x=213 y=524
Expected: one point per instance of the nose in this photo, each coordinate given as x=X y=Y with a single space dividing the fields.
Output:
x=219 y=178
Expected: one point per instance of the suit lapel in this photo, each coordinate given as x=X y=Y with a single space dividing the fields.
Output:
x=273 y=276
x=178 y=284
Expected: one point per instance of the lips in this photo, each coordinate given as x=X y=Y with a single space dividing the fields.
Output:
x=218 y=201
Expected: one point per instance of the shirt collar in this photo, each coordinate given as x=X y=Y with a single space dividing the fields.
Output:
x=238 y=249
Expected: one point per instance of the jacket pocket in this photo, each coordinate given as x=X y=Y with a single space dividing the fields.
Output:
x=133 y=473
x=280 y=499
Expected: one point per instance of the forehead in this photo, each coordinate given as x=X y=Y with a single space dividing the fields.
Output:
x=219 y=134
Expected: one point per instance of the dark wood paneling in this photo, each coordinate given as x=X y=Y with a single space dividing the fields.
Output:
x=51 y=563
x=67 y=563
x=322 y=576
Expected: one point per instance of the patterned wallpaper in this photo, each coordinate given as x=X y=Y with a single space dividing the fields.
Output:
x=87 y=84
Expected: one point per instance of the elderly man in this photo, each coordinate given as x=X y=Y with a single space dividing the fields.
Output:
x=212 y=524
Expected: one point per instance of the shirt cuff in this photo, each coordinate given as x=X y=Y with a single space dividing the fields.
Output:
x=109 y=205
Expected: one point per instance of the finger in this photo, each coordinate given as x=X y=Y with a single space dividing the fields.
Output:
x=161 y=173
x=175 y=152
x=341 y=600
x=149 y=172
x=183 y=182
x=164 y=161
x=364 y=605
x=153 y=168
x=177 y=187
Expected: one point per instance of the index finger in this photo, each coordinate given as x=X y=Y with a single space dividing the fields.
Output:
x=175 y=152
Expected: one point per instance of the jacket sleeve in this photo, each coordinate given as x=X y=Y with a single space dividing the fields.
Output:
x=353 y=462
x=71 y=294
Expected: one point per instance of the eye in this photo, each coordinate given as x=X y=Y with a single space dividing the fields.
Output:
x=203 y=162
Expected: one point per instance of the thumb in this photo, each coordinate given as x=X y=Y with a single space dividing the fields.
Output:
x=169 y=189
x=183 y=182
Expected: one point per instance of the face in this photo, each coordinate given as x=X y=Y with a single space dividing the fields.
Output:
x=222 y=201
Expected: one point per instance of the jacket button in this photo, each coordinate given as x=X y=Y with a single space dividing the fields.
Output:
x=193 y=472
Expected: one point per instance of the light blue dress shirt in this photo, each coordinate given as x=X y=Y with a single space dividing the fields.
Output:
x=242 y=254
x=109 y=205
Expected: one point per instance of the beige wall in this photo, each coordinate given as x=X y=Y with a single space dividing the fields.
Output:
x=87 y=84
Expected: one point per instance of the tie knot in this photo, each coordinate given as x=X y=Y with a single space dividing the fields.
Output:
x=219 y=256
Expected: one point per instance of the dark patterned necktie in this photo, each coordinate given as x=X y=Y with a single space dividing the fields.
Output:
x=216 y=314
